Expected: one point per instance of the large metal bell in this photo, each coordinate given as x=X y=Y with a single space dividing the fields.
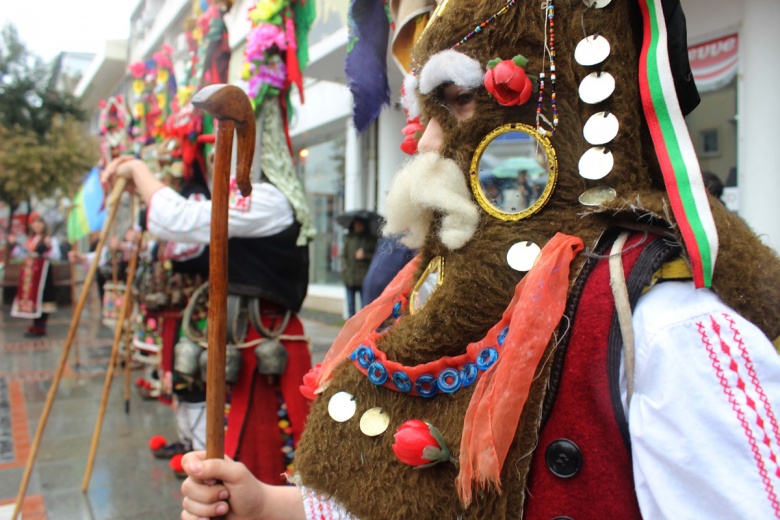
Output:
x=271 y=357
x=186 y=360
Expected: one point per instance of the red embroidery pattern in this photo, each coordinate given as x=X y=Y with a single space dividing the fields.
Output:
x=724 y=383
x=319 y=507
x=236 y=200
x=734 y=367
x=756 y=382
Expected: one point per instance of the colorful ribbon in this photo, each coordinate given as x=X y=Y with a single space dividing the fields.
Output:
x=674 y=149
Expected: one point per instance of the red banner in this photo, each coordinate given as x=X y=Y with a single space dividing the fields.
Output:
x=714 y=63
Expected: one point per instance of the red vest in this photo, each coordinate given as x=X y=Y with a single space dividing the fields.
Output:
x=582 y=465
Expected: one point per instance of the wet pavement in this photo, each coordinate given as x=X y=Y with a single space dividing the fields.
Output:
x=127 y=481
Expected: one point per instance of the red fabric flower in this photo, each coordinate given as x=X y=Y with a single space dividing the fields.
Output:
x=412 y=133
x=310 y=383
x=420 y=444
x=507 y=81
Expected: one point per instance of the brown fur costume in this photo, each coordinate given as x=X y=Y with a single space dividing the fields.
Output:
x=361 y=472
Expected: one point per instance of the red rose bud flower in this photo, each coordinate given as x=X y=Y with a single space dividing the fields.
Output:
x=420 y=444
x=507 y=81
x=309 y=385
x=412 y=133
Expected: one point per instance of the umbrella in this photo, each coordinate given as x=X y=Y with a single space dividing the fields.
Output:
x=373 y=219
x=513 y=165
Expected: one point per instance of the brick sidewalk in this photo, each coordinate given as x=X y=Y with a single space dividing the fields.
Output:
x=127 y=482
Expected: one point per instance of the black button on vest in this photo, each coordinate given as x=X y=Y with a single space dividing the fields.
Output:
x=563 y=458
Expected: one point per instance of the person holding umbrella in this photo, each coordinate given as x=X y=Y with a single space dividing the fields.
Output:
x=356 y=254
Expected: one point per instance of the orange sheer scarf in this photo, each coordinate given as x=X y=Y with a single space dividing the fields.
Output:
x=501 y=392
x=362 y=324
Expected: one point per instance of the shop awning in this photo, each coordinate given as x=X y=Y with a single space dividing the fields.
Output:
x=715 y=62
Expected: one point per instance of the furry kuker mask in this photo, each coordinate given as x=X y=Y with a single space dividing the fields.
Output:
x=469 y=239
x=648 y=183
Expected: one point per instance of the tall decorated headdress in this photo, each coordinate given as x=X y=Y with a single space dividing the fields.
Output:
x=205 y=63
x=113 y=126
x=153 y=86
x=277 y=52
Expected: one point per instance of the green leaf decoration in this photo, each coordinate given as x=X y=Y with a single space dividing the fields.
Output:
x=534 y=82
x=493 y=63
x=520 y=60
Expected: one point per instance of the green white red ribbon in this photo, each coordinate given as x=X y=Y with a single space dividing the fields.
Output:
x=675 y=151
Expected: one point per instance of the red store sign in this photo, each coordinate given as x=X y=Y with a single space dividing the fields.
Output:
x=714 y=63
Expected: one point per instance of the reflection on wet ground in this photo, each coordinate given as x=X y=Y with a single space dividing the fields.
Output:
x=127 y=481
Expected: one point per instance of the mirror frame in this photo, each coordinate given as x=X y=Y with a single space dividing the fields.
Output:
x=438 y=263
x=552 y=180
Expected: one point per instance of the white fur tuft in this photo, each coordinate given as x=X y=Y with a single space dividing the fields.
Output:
x=451 y=66
x=409 y=97
x=428 y=183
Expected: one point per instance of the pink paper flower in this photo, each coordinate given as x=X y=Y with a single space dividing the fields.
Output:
x=309 y=385
x=163 y=60
x=261 y=39
x=137 y=69
x=274 y=73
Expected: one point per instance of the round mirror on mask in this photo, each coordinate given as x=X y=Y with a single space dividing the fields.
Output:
x=513 y=172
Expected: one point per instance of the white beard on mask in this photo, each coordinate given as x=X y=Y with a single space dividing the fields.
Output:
x=426 y=184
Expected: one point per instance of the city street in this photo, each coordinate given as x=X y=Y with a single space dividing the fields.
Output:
x=127 y=481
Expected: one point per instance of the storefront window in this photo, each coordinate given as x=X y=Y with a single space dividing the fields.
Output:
x=713 y=125
x=322 y=171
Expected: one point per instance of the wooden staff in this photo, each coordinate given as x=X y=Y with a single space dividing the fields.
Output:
x=128 y=354
x=230 y=106
x=114 y=202
x=129 y=324
x=118 y=330
x=76 y=353
x=114 y=283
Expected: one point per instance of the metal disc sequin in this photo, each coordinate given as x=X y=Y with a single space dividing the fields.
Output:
x=598 y=196
x=374 y=422
x=596 y=87
x=591 y=50
x=601 y=128
x=596 y=163
x=522 y=256
x=598 y=4
x=342 y=407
